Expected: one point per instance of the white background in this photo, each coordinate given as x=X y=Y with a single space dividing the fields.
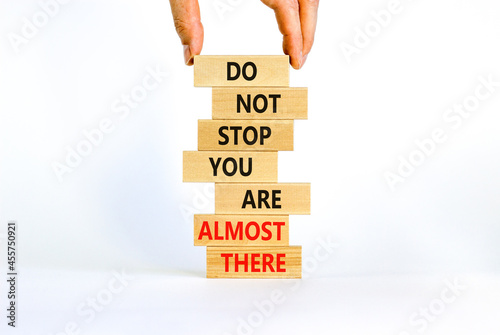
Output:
x=124 y=207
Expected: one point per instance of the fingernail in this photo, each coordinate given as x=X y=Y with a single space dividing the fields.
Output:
x=300 y=60
x=304 y=59
x=187 y=54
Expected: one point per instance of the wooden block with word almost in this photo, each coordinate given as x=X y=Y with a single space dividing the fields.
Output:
x=241 y=71
x=234 y=230
x=253 y=135
x=230 y=166
x=254 y=262
x=259 y=103
x=269 y=198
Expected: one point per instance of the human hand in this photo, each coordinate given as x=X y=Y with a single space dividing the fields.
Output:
x=296 y=22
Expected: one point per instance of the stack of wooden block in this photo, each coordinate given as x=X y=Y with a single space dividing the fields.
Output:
x=253 y=111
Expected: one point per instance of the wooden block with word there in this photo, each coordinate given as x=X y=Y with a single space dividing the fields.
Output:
x=241 y=71
x=254 y=262
x=256 y=135
x=272 y=198
x=234 y=230
x=259 y=103
x=230 y=166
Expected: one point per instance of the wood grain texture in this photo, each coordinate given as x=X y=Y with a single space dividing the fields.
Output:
x=238 y=230
x=213 y=71
x=254 y=262
x=269 y=135
x=262 y=102
x=294 y=198
x=230 y=166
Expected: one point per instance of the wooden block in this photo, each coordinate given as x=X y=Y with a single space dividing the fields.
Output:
x=254 y=135
x=254 y=262
x=241 y=71
x=230 y=166
x=272 y=198
x=259 y=103
x=234 y=230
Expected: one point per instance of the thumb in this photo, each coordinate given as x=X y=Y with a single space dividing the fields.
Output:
x=187 y=22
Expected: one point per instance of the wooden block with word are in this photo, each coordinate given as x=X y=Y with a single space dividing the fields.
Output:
x=230 y=166
x=234 y=230
x=254 y=262
x=253 y=135
x=259 y=103
x=241 y=71
x=272 y=198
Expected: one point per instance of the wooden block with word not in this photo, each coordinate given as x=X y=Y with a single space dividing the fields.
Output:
x=272 y=198
x=259 y=103
x=230 y=166
x=254 y=262
x=234 y=230
x=253 y=135
x=241 y=71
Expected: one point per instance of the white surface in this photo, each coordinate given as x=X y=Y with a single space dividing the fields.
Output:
x=178 y=303
x=124 y=205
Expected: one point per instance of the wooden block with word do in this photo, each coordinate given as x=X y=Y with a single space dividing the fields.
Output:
x=272 y=198
x=230 y=166
x=253 y=135
x=241 y=71
x=238 y=230
x=259 y=103
x=254 y=262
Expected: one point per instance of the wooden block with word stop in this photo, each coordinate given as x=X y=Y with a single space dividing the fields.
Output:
x=238 y=230
x=253 y=135
x=230 y=166
x=283 y=103
x=268 y=198
x=241 y=71
x=254 y=262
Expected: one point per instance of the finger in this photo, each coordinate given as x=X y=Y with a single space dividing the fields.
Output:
x=188 y=25
x=308 y=18
x=287 y=16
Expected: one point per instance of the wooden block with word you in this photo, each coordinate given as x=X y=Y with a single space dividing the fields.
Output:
x=230 y=166
x=238 y=230
x=254 y=262
x=239 y=135
x=259 y=103
x=241 y=71
x=265 y=198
